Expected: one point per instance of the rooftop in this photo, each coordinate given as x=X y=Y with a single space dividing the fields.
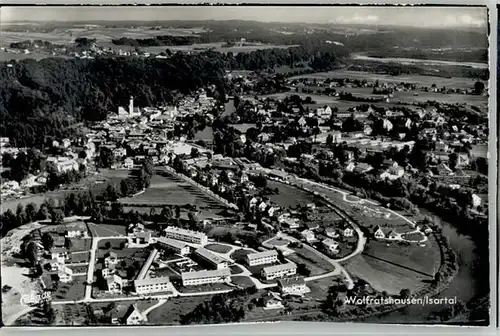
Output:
x=205 y=274
x=264 y=254
x=203 y=252
x=281 y=267
x=151 y=281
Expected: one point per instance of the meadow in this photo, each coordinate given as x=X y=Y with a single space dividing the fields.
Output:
x=167 y=189
x=416 y=79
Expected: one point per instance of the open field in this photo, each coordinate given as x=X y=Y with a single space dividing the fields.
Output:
x=107 y=230
x=79 y=257
x=414 y=61
x=218 y=248
x=170 y=311
x=169 y=189
x=80 y=244
x=96 y=183
x=315 y=263
x=115 y=247
x=235 y=270
x=73 y=290
x=424 y=259
x=278 y=242
x=289 y=196
x=216 y=46
x=320 y=287
x=417 y=79
x=409 y=96
x=239 y=255
x=101 y=34
x=385 y=277
x=242 y=281
x=9 y=56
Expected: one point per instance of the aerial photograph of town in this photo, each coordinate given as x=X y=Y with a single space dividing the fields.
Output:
x=187 y=165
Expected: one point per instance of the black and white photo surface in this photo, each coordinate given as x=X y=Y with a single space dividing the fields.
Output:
x=184 y=165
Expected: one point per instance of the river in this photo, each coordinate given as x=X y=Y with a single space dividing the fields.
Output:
x=464 y=286
x=415 y=61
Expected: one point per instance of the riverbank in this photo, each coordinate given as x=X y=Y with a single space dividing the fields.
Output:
x=447 y=272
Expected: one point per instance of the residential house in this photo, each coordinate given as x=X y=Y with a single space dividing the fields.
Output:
x=128 y=163
x=65 y=274
x=59 y=254
x=393 y=173
x=393 y=235
x=330 y=245
x=107 y=272
x=308 y=235
x=378 y=233
x=114 y=284
x=293 y=286
x=133 y=316
x=348 y=232
x=111 y=260
x=331 y=232
x=270 y=301
x=363 y=168
x=476 y=201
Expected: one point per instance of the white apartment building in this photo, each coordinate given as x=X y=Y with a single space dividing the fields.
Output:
x=189 y=236
x=173 y=245
x=205 y=277
x=214 y=260
x=279 y=271
x=152 y=285
x=260 y=258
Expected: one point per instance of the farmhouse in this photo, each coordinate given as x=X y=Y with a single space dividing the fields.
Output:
x=173 y=245
x=260 y=258
x=152 y=285
x=279 y=271
x=294 y=286
x=205 y=277
x=111 y=260
x=378 y=233
x=133 y=316
x=214 y=260
x=186 y=235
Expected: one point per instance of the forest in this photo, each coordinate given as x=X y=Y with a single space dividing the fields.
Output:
x=43 y=99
